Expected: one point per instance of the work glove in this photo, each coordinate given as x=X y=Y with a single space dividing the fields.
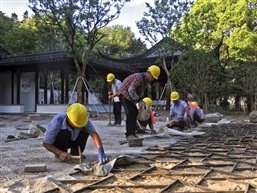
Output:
x=102 y=158
x=186 y=115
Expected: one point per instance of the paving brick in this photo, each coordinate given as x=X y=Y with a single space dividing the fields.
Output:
x=35 y=168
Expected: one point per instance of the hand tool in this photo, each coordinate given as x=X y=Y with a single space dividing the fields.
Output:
x=80 y=157
x=110 y=113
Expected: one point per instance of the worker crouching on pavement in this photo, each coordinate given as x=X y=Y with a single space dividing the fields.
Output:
x=196 y=113
x=71 y=129
x=179 y=113
x=142 y=124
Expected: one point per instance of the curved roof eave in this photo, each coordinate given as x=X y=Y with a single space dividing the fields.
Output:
x=149 y=53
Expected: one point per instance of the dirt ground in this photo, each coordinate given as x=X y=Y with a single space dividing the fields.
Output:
x=15 y=155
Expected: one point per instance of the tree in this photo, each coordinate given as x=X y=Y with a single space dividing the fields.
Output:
x=244 y=82
x=120 y=42
x=79 y=21
x=199 y=72
x=233 y=22
x=32 y=35
x=158 y=23
x=22 y=38
x=210 y=21
x=6 y=24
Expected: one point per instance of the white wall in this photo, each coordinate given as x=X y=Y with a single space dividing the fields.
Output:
x=57 y=93
x=27 y=91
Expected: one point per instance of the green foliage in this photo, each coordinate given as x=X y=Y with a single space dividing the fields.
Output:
x=79 y=21
x=198 y=26
x=22 y=38
x=199 y=72
x=98 y=87
x=32 y=35
x=6 y=24
x=209 y=21
x=244 y=78
x=119 y=42
x=162 y=18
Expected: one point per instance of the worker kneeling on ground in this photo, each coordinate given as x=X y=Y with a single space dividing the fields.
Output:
x=196 y=114
x=147 y=118
x=179 y=113
x=70 y=130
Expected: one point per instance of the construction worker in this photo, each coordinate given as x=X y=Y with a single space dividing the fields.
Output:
x=142 y=124
x=196 y=114
x=71 y=129
x=179 y=113
x=189 y=97
x=113 y=94
x=131 y=91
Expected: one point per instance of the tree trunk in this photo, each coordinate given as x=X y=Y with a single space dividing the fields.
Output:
x=167 y=94
x=205 y=103
x=51 y=93
x=79 y=89
x=249 y=103
x=237 y=102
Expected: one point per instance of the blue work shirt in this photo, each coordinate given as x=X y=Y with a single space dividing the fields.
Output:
x=115 y=88
x=198 y=111
x=58 y=123
x=178 y=110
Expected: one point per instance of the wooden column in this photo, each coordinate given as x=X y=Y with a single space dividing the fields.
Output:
x=51 y=93
x=18 y=89
x=36 y=90
x=45 y=86
x=67 y=87
x=12 y=94
x=62 y=87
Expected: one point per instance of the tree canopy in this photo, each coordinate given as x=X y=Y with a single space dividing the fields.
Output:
x=79 y=22
x=120 y=42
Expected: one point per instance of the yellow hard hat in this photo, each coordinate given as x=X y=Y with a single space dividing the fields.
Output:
x=110 y=77
x=148 y=101
x=194 y=103
x=174 y=96
x=155 y=71
x=77 y=114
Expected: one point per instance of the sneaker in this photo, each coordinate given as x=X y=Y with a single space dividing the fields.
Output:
x=129 y=137
x=117 y=125
x=140 y=131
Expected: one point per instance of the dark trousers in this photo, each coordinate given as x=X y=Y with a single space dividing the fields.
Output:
x=197 y=119
x=180 y=124
x=63 y=141
x=131 y=115
x=117 y=112
x=145 y=123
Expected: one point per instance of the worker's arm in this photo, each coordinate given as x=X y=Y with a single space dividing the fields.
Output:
x=132 y=92
x=96 y=139
x=113 y=95
x=61 y=154
x=102 y=158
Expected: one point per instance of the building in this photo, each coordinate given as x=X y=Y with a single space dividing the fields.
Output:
x=22 y=75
